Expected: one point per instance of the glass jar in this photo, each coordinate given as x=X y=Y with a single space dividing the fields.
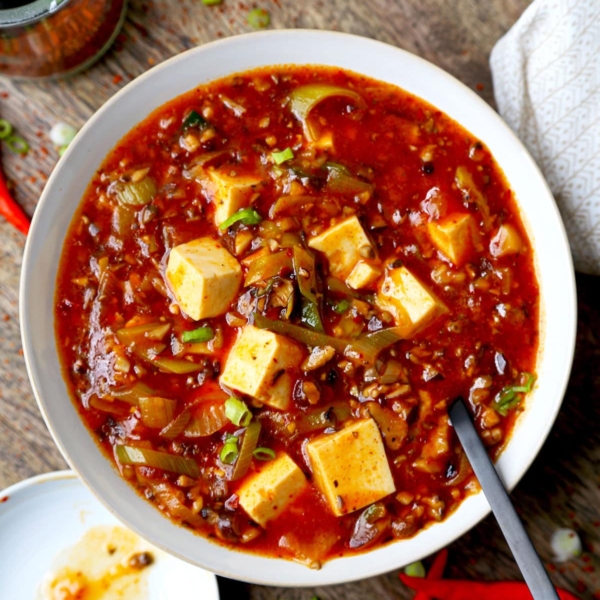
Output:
x=54 y=38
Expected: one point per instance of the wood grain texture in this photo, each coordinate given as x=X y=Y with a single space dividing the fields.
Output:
x=563 y=486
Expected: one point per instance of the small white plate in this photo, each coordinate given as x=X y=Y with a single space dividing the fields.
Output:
x=45 y=515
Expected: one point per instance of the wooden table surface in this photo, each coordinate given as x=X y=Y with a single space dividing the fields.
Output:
x=563 y=486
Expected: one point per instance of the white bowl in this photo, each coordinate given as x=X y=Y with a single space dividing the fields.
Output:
x=70 y=178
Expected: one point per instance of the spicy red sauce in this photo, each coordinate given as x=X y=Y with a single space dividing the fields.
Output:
x=485 y=344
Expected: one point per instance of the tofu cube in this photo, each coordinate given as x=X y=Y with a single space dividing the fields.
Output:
x=350 y=467
x=257 y=365
x=506 y=241
x=453 y=236
x=265 y=494
x=410 y=302
x=344 y=245
x=229 y=193
x=363 y=275
x=204 y=277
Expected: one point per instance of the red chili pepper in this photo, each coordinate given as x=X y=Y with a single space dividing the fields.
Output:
x=457 y=589
x=10 y=210
x=436 y=571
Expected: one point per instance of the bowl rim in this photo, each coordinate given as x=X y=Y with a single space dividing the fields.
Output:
x=252 y=568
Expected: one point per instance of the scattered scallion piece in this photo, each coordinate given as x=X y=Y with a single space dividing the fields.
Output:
x=248 y=216
x=565 y=544
x=16 y=144
x=202 y=334
x=283 y=156
x=310 y=315
x=509 y=396
x=237 y=412
x=195 y=119
x=62 y=134
x=211 y=2
x=144 y=457
x=264 y=454
x=415 y=569
x=230 y=450
x=342 y=306
x=247 y=448
x=259 y=18
x=136 y=193
x=6 y=128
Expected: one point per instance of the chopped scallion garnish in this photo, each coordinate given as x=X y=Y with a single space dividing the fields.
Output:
x=283 y=156
x=342 y=306
x=237 y=412
x=230 y=450
x=259 y=18
x=508 y=397
x=202 y=334
x=264 y=454
x=248 y=216
x=415 y=569
x=17 y=144
x=195 y=119
x=211 y=2
x=6 y=128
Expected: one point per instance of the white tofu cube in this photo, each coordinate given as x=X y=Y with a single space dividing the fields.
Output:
x=265 y=495
x=204 y=277
x=350 y=467
x=363 y=275
x=229 y=193
x=453 y=236
x=257 y=365
x=344 y=245
x=410 y=302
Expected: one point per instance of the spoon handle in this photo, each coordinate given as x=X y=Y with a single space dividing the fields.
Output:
x=527 y=559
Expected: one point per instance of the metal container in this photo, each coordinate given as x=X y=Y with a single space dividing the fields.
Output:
x=56 y=38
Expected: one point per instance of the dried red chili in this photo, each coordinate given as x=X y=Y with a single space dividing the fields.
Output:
x=458 y=589
x=10 y=210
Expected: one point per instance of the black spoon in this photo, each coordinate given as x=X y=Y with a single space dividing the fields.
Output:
x=527 y=559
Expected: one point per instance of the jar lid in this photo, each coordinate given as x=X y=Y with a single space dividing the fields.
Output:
x=28 y=13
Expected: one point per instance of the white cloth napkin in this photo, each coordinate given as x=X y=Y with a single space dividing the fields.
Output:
x=546 y=73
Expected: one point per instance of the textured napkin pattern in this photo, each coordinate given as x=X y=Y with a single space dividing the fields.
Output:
x=546 y=73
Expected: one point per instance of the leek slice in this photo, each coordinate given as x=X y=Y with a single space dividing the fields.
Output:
x=268 y=266
x=157 y=412
x=177 y=425
x=136 y=193
x=165 y=493
x=472 y=194
x=132 y=394
x=143 y=457
x=249 y=442
x=340 y=180
x=207 y=419
x=177 y=366
x=304 y=98
x=150 y=331
x=304 y=269
x=202 y=334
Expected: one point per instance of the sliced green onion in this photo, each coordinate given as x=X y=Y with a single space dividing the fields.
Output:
x=248 y=216
x=230 y=450
x=62 y=134
x=264 y=454
x=415 y=569
x=130 y=455
x=17 y=144
x=247 y=449
x=211 y=2
x=237 y=412
x=342 y=306
x=136 y=193
x=369 y=346
x=195 y=119
x=283 y=156
x=508 y=398
x=6 y=128
x=565 y=544
x=62 y=150
x=202 y=334
x=259 y=18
